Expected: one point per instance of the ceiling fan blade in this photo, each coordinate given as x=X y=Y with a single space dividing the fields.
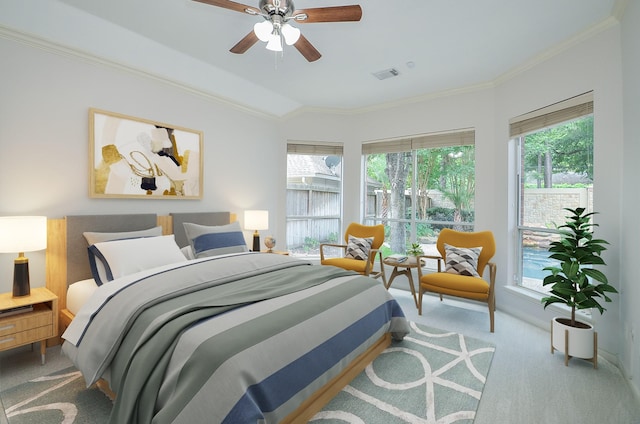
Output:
x=329 y=14
x=231 y=5
x=245 y=44
x=306 y=49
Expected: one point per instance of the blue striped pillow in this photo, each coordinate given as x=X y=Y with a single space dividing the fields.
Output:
x=215 y=240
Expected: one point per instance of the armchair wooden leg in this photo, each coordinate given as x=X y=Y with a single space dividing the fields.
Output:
x=420 y=301
x=492 y=308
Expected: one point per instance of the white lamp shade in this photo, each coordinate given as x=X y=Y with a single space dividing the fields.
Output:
x=256 y=220
x=290 y=34
x=275 y=43
x=263 y=30
x=23 y=233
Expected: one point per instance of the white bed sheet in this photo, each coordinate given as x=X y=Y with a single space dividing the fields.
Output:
x=78 y=293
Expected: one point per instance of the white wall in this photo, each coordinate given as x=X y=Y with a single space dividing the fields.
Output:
x=630 y=222
x=44 y=142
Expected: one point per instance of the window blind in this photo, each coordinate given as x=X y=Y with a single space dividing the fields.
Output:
x=551 y=115
x=427 y=141
x=322 y=149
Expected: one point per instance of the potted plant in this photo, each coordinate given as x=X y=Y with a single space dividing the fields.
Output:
x=575 y=283
x=415 y=250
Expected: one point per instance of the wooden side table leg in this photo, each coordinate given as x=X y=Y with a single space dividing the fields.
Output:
x=393 y=275
x=43 y=350
x=413 y=289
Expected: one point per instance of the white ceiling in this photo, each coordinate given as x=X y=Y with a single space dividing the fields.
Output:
x=453 y=44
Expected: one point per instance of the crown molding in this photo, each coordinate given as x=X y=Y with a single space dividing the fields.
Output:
x=35 y=41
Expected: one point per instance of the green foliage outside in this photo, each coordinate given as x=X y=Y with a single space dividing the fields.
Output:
x=448 y=170
x=310 y=244
x=566 y=148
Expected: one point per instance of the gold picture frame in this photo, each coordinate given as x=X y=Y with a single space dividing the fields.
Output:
x=139 y=158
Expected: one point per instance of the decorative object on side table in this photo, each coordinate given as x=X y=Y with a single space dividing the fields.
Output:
x=570 y=282
x=256 y=220
x=19 y=234
x=270 y=242
x=415 y=250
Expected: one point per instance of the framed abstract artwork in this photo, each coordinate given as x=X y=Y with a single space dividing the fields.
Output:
x=138 y=158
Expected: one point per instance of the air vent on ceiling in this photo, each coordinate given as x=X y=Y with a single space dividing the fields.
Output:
x=387 y=73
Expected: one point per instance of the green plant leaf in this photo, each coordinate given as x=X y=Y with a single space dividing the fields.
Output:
x=577 y=251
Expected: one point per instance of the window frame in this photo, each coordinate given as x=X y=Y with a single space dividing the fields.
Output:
x=314 y=149
x=550 y=116
x=453 y=138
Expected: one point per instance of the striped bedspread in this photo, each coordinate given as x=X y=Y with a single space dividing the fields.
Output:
x=236 y=339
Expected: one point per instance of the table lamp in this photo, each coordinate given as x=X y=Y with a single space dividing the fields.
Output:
x=256 y=220
x=22 y=234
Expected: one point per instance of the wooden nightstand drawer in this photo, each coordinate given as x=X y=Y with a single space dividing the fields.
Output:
x=25 y=337
x=20 y=326
x=40 y=316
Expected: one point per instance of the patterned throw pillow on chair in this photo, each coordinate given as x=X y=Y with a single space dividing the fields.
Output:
x=358 y=248
x=462 y=260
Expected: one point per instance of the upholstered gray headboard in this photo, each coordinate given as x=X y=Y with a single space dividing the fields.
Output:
x=77 y=256
x=201 y=218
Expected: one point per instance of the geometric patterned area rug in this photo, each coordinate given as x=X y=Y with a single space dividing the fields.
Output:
x=431 y=376
x=61 y=397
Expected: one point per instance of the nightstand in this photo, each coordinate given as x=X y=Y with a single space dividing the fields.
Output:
x=28 y=319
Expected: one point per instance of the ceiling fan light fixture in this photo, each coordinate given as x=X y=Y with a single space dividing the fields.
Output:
x=291 y=34
x=263 y=30
x=275 y=43
x=276 y=15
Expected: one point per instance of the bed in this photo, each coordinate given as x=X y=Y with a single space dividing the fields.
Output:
x=239 y=337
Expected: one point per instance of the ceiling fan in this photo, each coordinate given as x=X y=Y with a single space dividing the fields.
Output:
x=275 y=28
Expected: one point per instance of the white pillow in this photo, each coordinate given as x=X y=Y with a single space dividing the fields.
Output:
x=97 y=267
x=93 y=237
x=124 y=257
x=78 y=293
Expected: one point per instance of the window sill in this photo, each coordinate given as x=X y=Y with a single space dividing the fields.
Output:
x=533 y=296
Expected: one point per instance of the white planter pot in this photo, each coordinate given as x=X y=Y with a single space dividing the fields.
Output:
x=579 y=342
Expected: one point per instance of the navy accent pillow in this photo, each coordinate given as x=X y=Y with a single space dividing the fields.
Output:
x=215 y=240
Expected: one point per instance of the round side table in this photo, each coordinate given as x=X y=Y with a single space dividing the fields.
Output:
x=403 y=268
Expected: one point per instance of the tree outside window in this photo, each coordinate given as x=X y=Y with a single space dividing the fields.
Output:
x=416 y=192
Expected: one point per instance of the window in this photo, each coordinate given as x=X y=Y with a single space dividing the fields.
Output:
x=314 y=197
x=555 y=171
x=417 y=186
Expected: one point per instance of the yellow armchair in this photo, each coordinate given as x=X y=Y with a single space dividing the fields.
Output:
x=363 y=263
x=458 y=283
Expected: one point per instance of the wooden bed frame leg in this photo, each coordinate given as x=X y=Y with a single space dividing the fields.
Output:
x=104 y=388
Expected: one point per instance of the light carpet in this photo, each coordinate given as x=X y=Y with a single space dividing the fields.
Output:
x=431 y=376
